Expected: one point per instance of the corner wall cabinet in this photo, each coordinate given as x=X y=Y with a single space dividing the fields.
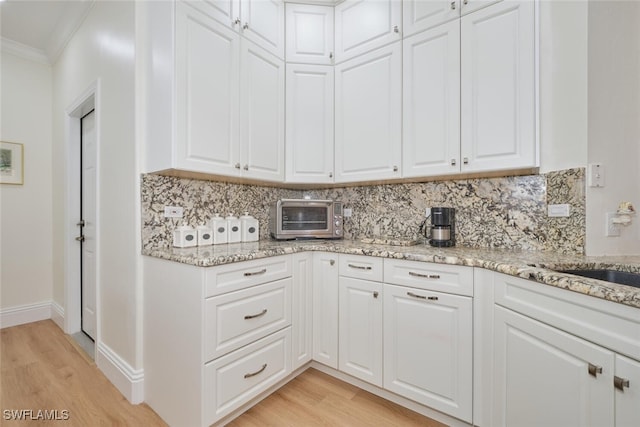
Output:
x=309 y=33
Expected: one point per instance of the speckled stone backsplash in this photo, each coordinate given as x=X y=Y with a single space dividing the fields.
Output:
x=509 y=212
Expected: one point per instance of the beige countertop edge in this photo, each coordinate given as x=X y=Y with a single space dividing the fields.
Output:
x=534 y=265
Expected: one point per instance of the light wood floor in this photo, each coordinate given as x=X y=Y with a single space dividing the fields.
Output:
x=43 y=369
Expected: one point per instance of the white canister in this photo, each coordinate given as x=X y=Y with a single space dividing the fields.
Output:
x=184 y=237
x=234 y=227
x=250 y=228
x=219 y=228
x=205 y=235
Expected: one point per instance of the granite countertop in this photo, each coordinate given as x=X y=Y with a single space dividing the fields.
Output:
x=535 y=265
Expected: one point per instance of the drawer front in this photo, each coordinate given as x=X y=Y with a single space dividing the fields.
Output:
x=238 y=318
x=236 y=378
x=361 y=267
x=240 y=275
x=605 y=323
x=453 y=279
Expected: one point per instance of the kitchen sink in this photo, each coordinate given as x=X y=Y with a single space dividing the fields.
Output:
x=620 y=277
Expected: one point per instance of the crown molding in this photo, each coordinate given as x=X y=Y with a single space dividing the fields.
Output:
x=66 y=29
x=24 y=51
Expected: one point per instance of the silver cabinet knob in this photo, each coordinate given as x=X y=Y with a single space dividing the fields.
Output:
x=330 y=174
x=245 y=26
x=375 y=294
x=330 y=55
x=80 y=238
x=453 y=162
x=465 y=1
x=245 y=167
x=237 y=166
x=453 y=5
x=396 y=29
x=465 y=161
x=332 y=262
x=81 y=223
x=395 y=168
x=236 y=22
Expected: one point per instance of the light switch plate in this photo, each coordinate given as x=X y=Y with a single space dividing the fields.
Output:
x=611 y=229
x=595 y=175
x=562 y=210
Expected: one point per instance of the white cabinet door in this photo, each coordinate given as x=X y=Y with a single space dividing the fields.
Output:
x=360 y=329
x=309 y=34
x=207 y=127
x=302 y=310
x=627 y=395
x=420 y=15
x=469 y=6
x=325 y=309
x=431 y=99
x=262 y=113
x=498 y=88
x=364 y=25
x=226 y=12
x=368 y=117
x=542 y=376
x=263 y=23
x=309 y=123
x=428 y=348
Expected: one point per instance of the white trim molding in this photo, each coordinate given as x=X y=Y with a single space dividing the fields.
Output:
x=23 y=51
x=19 y=315
x=129 y=381
x=57 y=314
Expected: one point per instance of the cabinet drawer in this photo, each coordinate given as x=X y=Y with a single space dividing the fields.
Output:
x=231 y=277
x=234 y=379
x=361 y=267
x=238 y=318
x=453 y=279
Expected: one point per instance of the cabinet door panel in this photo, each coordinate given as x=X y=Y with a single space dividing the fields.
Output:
x=302 y=310
x=498 y=87
x=309 y=123
x=360 y=336
x=206 y=93
x=428 y=348
x=431 y=113
x=628 y=399
x=542 y=376
x=262 y=110
x=309 y=34
x=223 y=11
x=368 y=116
x=420 y=15
x=263 y=24
x=364 y=25
x=325 y=309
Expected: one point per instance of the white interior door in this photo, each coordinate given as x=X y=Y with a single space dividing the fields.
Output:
x=88 y=227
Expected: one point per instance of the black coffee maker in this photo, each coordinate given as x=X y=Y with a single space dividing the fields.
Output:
x=443 y=227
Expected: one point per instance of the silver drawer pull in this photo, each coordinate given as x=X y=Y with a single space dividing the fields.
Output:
x=425 y=276
x=255 y=273
x=620 y=383
x=359 y=267
x=253 y=316
x=411 y=294
x=594 y=370
x=253 y=374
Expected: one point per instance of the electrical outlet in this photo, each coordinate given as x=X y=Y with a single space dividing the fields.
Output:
x=561 y=210
x=595 y=175
x=611 y=229
x=347 y=212
x=173 y=211
x=427 y=212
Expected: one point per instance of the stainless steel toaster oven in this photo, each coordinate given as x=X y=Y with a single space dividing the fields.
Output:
x=305 y=219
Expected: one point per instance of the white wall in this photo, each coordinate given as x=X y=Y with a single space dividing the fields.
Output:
x=563 y=84
x=104 y=48
x=614 y=120
x=25 y=210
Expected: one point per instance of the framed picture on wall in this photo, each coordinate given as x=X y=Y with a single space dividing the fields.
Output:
x=11 y=163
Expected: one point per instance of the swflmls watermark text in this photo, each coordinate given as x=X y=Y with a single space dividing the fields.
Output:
x=35 y=414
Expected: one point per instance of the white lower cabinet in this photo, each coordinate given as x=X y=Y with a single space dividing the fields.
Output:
x=627 y=392
x=325 y=309
x=360 y=330
x=546 y=377
x=428 y=348
x=302 y=310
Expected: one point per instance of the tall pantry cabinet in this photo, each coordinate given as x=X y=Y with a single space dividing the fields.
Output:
x=215 y=99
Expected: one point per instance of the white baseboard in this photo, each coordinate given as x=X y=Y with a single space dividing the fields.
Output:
x=22 y=314
x=57 y=314
x=129 y=381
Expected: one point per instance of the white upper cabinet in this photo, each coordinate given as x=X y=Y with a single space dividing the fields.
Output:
x=420 y=15
x=431 y=102
x=309 y=123
x=309 y=34
x=368 y=117
x=364 y=25
x=498 y=111
x=262 y=114
x=261 y=21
